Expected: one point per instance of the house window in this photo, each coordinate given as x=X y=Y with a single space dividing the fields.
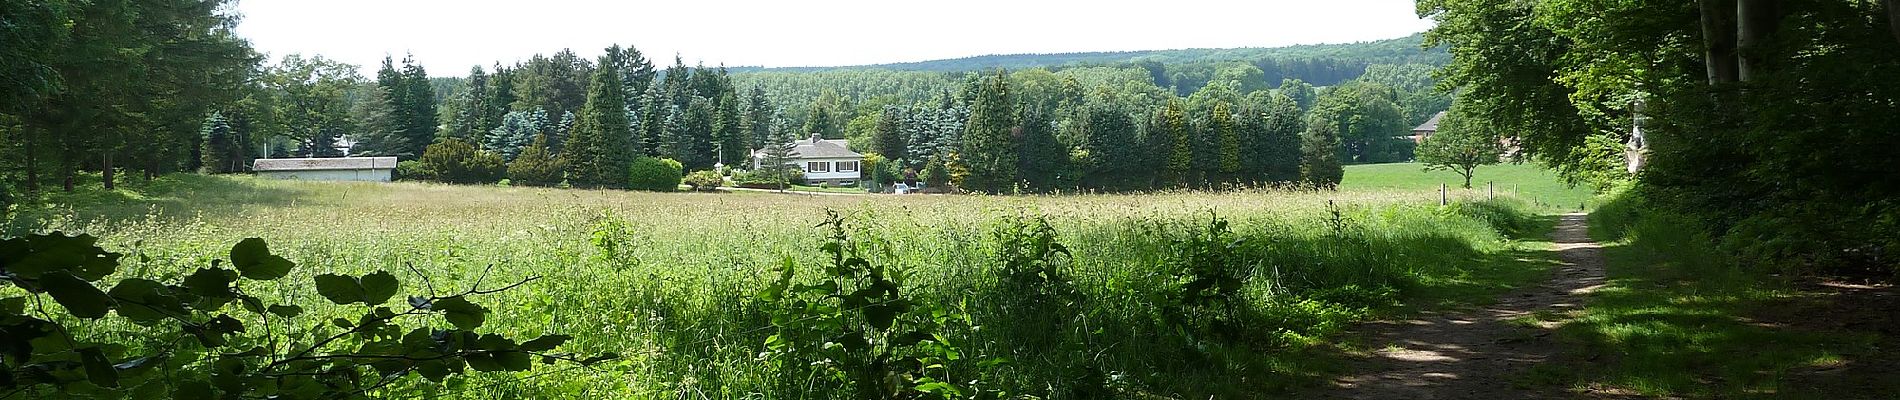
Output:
x=847 y=166
x=818 y=166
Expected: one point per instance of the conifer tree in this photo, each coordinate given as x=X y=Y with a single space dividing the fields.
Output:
x=220 y=152
x=1169 y=134
x=596 y=146
x=1042 y=161
x=1112 y=143
x=1281 y=147
x=888 y=139
x=989 y=149
x=757 y=118
x=1227 y=136
x=654 y=119
x=419 y=115
x=1319 y=156
x=516 y=129
x=692 y=136
x=728 y=133
x=536 y=166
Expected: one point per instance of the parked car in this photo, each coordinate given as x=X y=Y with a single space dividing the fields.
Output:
x=900 y=189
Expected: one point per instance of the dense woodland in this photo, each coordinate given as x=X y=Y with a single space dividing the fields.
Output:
x=1095 y=121
x=1770 y=123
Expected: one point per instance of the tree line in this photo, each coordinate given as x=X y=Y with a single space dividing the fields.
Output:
x=203 y=100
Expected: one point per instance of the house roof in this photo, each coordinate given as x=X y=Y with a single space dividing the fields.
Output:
x=322 y=164
x=1430 y=124
x=820 y=148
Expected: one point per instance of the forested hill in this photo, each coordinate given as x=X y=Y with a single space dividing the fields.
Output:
x=1405 y=50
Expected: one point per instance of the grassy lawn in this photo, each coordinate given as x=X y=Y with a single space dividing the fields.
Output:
x=1527 y=181
x=671 y=280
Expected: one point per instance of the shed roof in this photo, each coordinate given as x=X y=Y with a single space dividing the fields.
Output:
x=322 y=164
x=1430 y=124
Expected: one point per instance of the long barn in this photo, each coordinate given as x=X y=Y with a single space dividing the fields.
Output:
x=369 y=169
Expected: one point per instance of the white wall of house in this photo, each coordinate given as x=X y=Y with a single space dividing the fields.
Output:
x=365 y=175
x=833 y=170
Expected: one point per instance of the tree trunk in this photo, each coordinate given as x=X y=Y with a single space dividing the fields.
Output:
x=1756 y=21
x=1893 y=18
x=1468 y=173
x=32 y=170
x=1718 y=34
x=106 y=158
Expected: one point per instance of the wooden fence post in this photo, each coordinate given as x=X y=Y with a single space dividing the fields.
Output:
x=1444 y=195
x=1491 y=193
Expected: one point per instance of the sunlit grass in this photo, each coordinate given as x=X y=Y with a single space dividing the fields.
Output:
x=680 y=302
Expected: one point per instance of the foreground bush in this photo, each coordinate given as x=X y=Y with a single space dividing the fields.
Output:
x=205 y=352
x=655 y=174
x=536 y=166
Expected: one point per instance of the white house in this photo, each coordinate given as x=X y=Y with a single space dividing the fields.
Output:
x=824 y=161
x=371 y=169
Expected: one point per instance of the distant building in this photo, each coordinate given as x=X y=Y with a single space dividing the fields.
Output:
x=824 y=161
x=370 y=169
x=1426 y=129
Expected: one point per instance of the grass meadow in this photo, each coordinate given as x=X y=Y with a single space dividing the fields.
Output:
x=670 y=281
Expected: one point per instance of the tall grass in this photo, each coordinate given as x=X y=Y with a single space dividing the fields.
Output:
x=670 y=281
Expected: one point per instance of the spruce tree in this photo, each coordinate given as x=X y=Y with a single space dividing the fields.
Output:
x=219 y=153
x=1281 y=149
x=419 y=114
x=536 y=166
x=596 y=146
x=1227 y=140
x=989 y=149
x=1042 y=161
x=1170 y=134
x=516 y=129
x=889 y=140
x=757 y=118
x=1113 y=146
x=693 y=135
x=656 y=111
x=728 y=132
x=1319 y=156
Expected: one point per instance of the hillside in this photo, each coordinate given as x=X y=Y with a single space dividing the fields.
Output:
x=1405 y=50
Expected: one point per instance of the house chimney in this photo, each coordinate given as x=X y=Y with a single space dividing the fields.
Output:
x=815 y=138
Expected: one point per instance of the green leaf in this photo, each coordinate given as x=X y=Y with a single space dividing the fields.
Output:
x=145 y=301
x=378 y=287
x=461 y=312
x=211 y=282
x=514 y=360
x=340 y=289
x=602 y=357
x=253 y=258
x=545 y=342
x=13 y=306
x=342 y=323
x=881 y=316
x=98 y=370
x=286 y=311
x=80 y=297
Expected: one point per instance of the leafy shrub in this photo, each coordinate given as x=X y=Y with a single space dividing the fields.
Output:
x=655 y=174
x=857 y=326
x=456 y=161
x=766 y=179
x=536 y=166
x=413 y=170
x=216 y=355
x=1210 y=268
x=705 y=180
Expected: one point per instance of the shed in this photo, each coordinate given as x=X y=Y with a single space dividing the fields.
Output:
x=369 y=169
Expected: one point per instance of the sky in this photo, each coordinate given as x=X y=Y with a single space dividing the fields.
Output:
x=449 y=36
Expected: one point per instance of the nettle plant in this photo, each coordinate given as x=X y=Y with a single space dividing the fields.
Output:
x=857 y=327
x=1032 y=258
x=1211 y=267
x=194 y=345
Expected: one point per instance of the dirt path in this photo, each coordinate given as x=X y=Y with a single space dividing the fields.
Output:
x=1477 y=354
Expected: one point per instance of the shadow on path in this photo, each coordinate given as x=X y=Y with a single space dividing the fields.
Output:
x=1479 y=353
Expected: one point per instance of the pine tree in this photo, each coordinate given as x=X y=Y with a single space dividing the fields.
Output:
x=728 y=132
x=989 y=149
x=1227 y=137
x=1042 y=160
x=596 y=147
x=536 y=166
x=653 y=121
x=516 y=129
x=220 y=149
x=888 y=140
x=757 y=118
x=1169 y=134
x=693 y=136
x=1319 y=156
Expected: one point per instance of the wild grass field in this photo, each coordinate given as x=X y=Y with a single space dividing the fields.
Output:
x=1524 y=181
x=672 y=282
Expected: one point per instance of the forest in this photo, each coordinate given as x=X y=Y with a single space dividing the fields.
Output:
x=1184 y=118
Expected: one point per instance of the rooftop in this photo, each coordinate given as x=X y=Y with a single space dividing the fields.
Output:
x=1430 y=124
x=322 y=164
x=820 y=148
